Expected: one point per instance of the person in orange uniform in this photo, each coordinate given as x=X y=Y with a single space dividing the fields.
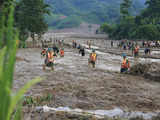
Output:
x=62 y=52
x=136 y=51
x=125 y=66
x=49 y=61
x=92 y=58
x=43 y=53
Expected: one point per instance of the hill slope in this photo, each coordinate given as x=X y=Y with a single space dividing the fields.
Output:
x=70 y=13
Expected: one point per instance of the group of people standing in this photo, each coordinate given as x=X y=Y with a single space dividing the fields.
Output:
x=92 y=57
x=130 y=45
x=151 y=44
x=50 y=54
x=127 y=45
x=133 y=46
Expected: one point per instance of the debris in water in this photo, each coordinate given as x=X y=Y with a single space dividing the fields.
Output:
x=148 y=70
x=22 y=59
x=115 y=113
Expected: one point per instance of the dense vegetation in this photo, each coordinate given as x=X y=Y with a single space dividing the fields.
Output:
x=145 y=26
x=9 y=108
x=30 y=18
x=70 y=13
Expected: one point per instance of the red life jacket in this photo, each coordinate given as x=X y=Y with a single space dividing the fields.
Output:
x=44 y=52
x=62 y=52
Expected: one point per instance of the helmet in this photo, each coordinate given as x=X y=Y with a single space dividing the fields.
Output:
x=49 y=49
x=124 y=55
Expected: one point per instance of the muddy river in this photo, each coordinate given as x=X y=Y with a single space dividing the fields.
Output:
x=77 y=86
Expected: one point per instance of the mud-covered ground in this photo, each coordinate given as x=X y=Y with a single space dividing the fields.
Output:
x=76 y=85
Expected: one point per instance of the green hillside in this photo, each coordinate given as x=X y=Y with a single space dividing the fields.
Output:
x=70 y=13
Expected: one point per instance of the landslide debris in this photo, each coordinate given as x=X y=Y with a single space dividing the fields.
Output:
x=148 y=70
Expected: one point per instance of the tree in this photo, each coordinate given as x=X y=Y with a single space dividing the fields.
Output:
x=4 y=13
x=106 y=28
x=151 y=14
x=124 y=8
x=148 y=32
x=30 y=18
x=125 y=29
x=153 y=7
x=143 y=26
x=9 y=102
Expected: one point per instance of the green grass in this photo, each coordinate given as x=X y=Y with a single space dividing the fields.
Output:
x=8 y=48
x=37 y=101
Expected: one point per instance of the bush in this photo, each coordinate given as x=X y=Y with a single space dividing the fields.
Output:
x=8 y=101
x=106 y=28
x=148 y=31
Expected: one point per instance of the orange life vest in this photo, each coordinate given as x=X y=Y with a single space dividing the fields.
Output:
x=125 y=63
x=44 y=52
x=50 y=57
x=136 y=49
x=93 y=57
x=62 y=52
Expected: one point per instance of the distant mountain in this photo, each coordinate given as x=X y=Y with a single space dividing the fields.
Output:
x=71 y=13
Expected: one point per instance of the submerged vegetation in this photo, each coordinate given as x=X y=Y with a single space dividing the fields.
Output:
x=37 y=101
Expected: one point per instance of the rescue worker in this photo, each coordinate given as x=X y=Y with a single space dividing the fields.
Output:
x=55 y=49
x=82 y=51
x=43 y=53
x=112 y=44
x=125 y=66
x=79 y=47
x=49 y=61
x=124 y=46
x=132 y=47
x=92 y=59
x=147 y=51
x=136 y=51
x=73 y=43
x=62 y=52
